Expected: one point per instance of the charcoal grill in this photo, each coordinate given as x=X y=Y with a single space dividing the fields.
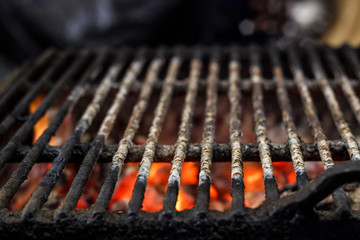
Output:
x=98 y=72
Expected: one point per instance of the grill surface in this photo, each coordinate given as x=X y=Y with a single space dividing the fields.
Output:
x=76 y=74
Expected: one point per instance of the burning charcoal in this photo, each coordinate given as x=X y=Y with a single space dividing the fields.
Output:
x=254 y=198
x=189 y=157
x=217 y=205
x=185 y=200
x=159 y=174
x=153 y=199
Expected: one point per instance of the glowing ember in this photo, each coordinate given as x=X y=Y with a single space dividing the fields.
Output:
x=39 y=170
x=220 y=198
x=185 y=200
x=155 y=191
x=64 y=130
x=189 y=177
x=43 y=123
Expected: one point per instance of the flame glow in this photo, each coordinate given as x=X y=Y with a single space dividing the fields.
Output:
x=220 y=198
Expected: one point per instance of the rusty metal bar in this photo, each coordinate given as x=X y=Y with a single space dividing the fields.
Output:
x=245 y=85
x=271 y=189
x=20 y=174
x=284 y=213
x=336 y=113
x=40 y=64
x=98 y=151
x=39 y=86
x=234 y=95
x=203 y=196
x=135 y=203
x=41 y=193
x=306 y=198
x=98 y=144
x=165 y=153
x=27 y=127
x=292 y=138
x=344 y=82
x=320 y=138
x=184 y=134
x=120 y=154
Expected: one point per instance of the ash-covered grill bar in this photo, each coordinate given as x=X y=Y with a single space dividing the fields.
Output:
x=234 y=93
x=41 y=194
x=165 y=153
x=271 y=188
x=203 y=196
x=320 y=138
x=135 y=203
x=184 y=134
x=105 y=128
x=293 y=139
x=344 y=81
x=113 y=76
x=119 y=157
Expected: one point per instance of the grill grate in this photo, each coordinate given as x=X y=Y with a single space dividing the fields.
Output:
x=78 y=70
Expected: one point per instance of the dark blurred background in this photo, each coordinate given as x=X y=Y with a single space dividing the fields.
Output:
x=27 y=27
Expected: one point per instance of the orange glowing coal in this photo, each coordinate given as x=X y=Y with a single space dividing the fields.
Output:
x=43 y=123
x=254 y=183
x=220 y=198
x=156 y=188
x=155 y=191
x=39 y=170
x=189 y=177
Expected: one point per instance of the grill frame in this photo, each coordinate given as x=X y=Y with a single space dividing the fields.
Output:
x=273 y=209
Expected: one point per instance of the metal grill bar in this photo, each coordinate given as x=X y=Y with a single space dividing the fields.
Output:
x=320 y=138
x=118 y=158
x=292 y=137
x=307 y=197
x=245 y=85
x=184 y=134
x=203 y=196
x=20 y=174
x=165 y=153
x=151 y=142
x=271 y=189
x=41 y=85
x=234 y=94
x=344 y=82
x=85 y=67
x=41 y=193
x=27 y=127
x=91 y=157
x=341 y=125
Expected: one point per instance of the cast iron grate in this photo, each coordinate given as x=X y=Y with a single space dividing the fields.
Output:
x=77 y=71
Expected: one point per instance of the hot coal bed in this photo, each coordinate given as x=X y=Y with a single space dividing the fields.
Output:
x=313 y=87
